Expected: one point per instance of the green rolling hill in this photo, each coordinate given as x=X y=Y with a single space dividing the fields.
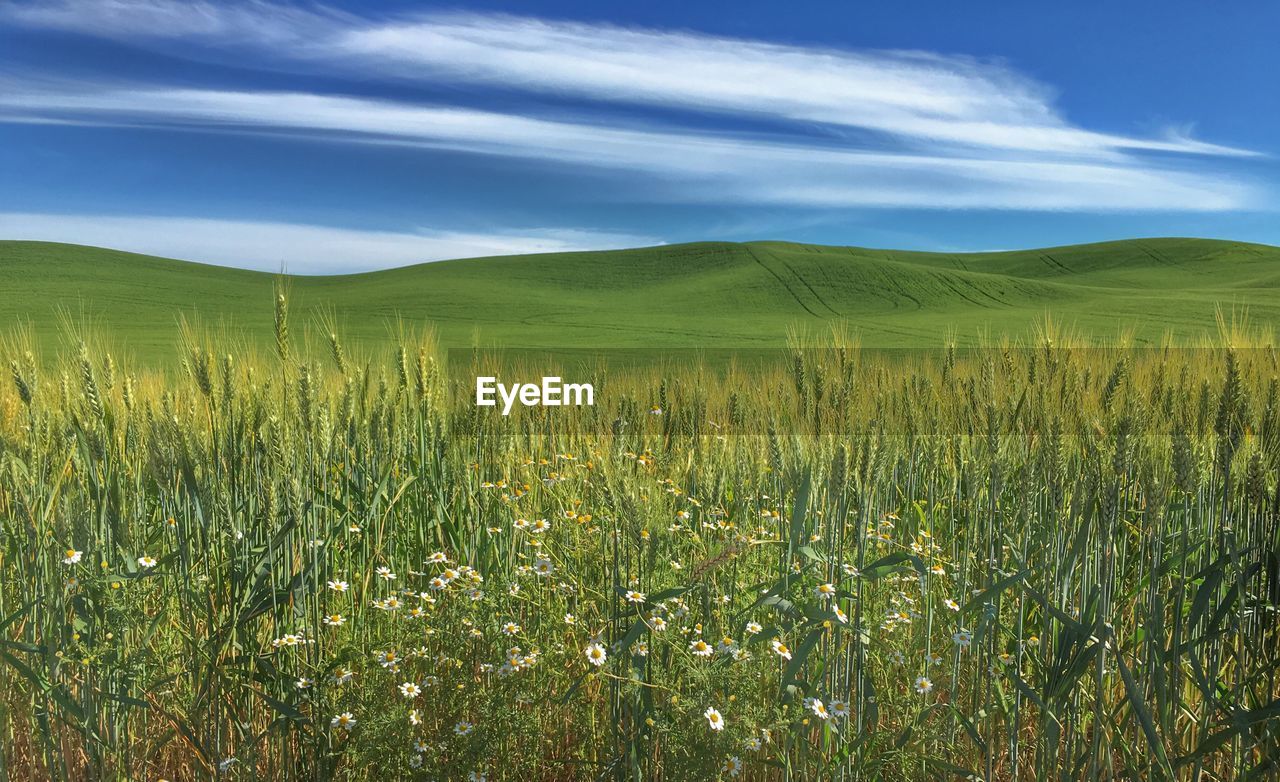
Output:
x=690 y=295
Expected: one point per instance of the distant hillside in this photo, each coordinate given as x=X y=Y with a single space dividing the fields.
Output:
x=722 y=294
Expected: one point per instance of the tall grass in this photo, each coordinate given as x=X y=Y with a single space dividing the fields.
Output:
x=1026 y=562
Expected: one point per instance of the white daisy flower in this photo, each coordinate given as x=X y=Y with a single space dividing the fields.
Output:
x=410 y=690
x=714 y=720
x=817 y=707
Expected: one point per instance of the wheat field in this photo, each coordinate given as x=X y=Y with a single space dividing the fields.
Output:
x=1029 y=561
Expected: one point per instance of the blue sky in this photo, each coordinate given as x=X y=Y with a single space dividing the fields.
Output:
x=338 y=137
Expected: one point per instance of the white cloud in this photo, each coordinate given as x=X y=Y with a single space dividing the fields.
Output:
x=301 y=249
x=253 y=22
x=917 y=97
x=847 y=128
x=911 y=95
x=693 y=166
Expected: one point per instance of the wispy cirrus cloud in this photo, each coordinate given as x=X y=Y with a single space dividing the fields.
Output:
x=918 y=96
x=906 y=95
x=810 y=127
x=694 y=167
x=300 y=248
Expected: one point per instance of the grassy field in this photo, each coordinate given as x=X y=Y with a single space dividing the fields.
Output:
x=1048 y=562
x=279 y=543
x=694 y=295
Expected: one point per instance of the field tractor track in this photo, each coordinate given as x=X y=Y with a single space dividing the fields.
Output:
x=954 y=287
x=1055 y=263
x=782 y=282
x=806 y=284
x=1159 y=258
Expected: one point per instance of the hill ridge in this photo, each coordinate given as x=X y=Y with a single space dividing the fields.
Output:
x=692 y=294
